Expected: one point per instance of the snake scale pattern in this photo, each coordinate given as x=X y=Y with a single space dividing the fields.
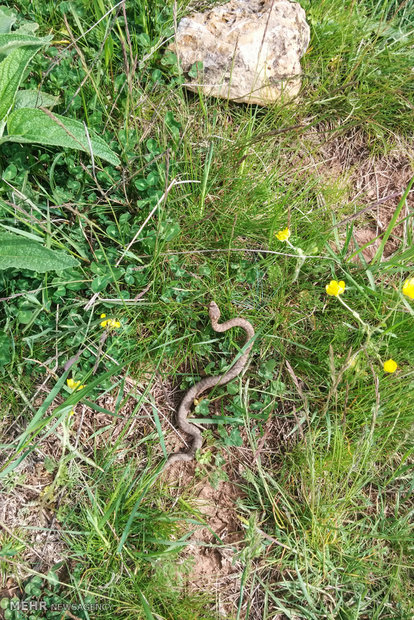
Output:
x=209 y=382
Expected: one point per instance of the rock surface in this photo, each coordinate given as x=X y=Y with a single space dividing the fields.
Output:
x=250 y=50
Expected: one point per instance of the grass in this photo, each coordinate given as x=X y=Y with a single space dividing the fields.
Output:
x=316 y=437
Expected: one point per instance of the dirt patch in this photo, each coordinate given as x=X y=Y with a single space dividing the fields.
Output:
x=31 y=495
x=381 y=182
x=125 y=414
x=363 y=188
x=27 y=521
x=375 y=185
x=213 y=546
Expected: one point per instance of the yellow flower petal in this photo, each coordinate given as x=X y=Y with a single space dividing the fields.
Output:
x=111 y=324
x=74 y=385
x=283 y=235
x=103 y=315
x=390 y=366
x=408 y=288
x=335 y=288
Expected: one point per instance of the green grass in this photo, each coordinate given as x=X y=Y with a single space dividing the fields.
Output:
x=325 y=508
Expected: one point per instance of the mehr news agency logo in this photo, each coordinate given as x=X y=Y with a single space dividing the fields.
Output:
x=33 y=605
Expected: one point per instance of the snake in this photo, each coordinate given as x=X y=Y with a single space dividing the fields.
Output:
x=209 y=382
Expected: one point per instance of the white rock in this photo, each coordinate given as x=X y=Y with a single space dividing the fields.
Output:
x=250 y=50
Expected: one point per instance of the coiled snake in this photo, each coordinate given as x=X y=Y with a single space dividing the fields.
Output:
x=209 y=382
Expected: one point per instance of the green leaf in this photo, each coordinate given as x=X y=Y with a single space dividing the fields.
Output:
x=169 y=59
x=173 y=125
x=28 y=28
x=196 y=69
x=8 y=549
x=267 y=370
x=202 y=407
x=35 y=126
x=147 y=609
x=232 y=388
x=5 y=349
x=9 y=173
x=152 y=146
x=100 y=283
x=34 y=99
x=140 y=184
x=14 y=40
x=11 y=74
x=22 y=253
x=231 y=439
x=4 y=603
x=7 y=19
x=21 y=233
x=53 y=577
x=24 y=316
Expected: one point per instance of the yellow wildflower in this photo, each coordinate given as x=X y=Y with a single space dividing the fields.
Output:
x=74 y=385
x=111 y=324
x=103 y=315
x=335 y=288
x=390 y=366
x=283 y=235
x=408 y=288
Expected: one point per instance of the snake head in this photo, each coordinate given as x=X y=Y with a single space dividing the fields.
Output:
x=214 y=312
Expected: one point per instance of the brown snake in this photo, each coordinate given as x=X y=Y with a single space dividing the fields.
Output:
x=209 y=382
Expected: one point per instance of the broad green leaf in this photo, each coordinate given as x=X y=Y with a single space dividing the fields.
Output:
x=23 y=253
x=11 y=73
x=34 y=99
x=21 y=233
x=14 y=40
x=7 y=19
x=27 y=28
x=33 y=125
